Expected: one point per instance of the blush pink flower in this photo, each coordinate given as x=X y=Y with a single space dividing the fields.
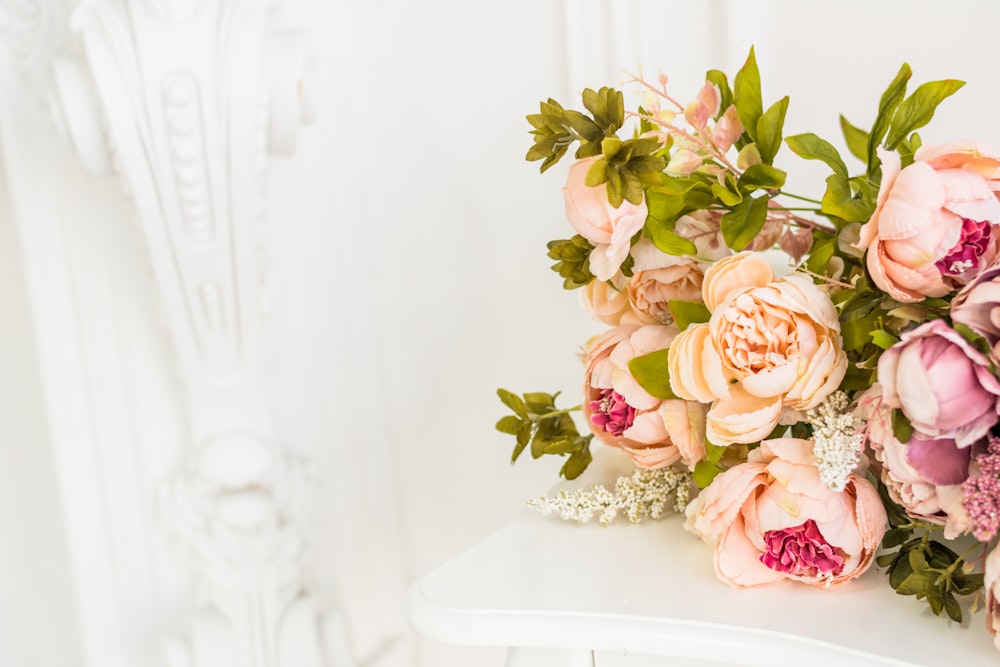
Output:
x=942 y=384
x=606 y=301
x=923 y=475
x=771 y=343
x=772 y=519
x=610 y=229
x=977 y=306
x=654 y=433
x=933 y=226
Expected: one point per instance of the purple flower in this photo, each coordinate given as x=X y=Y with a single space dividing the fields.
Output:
x=942 y=384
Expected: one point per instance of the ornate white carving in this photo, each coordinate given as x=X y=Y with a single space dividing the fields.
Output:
x=183 y=98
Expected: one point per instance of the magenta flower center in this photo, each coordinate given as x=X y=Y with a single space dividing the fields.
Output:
x=611 y=413
x=972 y=244
x=801 y=551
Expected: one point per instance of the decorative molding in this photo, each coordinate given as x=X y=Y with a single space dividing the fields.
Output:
x=183 y=100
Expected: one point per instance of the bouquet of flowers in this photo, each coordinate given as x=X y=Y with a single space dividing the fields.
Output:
x=813 y=381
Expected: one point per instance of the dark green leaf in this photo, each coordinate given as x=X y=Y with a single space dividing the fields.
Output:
x=523 y=437
x=652 y=373
x=820 y=254
x=899 y=571
x=895 y=536
x=741 y=225
x=891 y=98
x=856 y=138
x=812 y=147
x=769 y=128
x=597 y=174
x=539 y=402
x=952 y=607
x=686 y=313
x=563 y=444
x=918 y=109
x=749 y=104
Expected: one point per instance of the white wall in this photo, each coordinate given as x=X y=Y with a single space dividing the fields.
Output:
x=406 y=240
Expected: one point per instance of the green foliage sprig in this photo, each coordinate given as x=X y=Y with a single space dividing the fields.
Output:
x=547 y=429
x=923 y=567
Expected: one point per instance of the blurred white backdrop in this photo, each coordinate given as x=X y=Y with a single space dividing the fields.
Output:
x=405 y=241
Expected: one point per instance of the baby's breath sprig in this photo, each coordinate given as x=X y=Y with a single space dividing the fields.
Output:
x=643 y=494
x=837 y=440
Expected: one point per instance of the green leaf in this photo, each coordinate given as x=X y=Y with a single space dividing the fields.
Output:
x=576 y=463
x=725 y=94
x=952 y=608
x=725 y=195
x=820 y=254
x=761 y=176
x=812 y=147
x=686 y=313
x=663 y=206
x=883 y=338
x=918 y=109
x=741 y=225
x=714 y=453
x=749 y=104
x=840 y=202
x=523 y=437
x=918 y=583
x=856 y=138
x=667 y=240
x=891 y=98
x=653 y=374
x=704 y=472
x=564 y=444
x=509 y=425
x=597 y=173
x=769 y=128
x=539 y=402
x=895 y=537
x=902 y=429
x=512 y=401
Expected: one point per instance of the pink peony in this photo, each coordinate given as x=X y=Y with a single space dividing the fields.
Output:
x=609 y=229
x=770 y=344
x=977 y=306
x=924 y=475
x=772 y=519
x=653 y=432
x=942 y=384
x=658 y=278
x=933 y=227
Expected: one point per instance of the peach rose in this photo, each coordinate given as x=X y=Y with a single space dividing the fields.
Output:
x=933 y=226
x=771 y=344
x=606 y=302
x=658 y=278
x=772 y=519
x=923 y=475
x=610 y=229
x=653 y=432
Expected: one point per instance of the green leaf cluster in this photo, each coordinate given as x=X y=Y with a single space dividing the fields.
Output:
x=852 y=199
x=555 y=129
x=626 y=166
x=547 y=429
x=572 y=260
x=923 y=567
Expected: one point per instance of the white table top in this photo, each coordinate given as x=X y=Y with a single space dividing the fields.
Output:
x=650 y=589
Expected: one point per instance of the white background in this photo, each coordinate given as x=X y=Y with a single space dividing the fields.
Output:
x=406 y=241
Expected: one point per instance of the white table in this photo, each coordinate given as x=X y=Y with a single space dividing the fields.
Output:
x=539 y=584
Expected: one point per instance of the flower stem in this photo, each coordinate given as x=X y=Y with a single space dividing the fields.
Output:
x=799 y=197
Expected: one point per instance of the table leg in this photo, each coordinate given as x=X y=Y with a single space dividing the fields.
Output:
x=521 y=656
